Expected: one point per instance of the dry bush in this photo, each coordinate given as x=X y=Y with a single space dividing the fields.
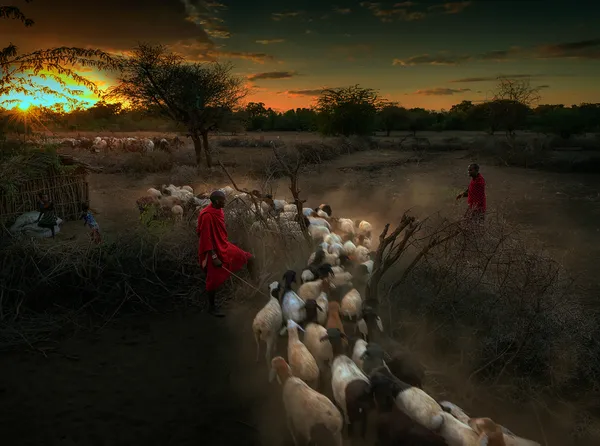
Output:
x=249 y=142
x=181 y=175
x=48 y=286
x=313 y=153
x=526 y=320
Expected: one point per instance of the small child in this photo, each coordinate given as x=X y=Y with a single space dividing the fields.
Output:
x=90 y=221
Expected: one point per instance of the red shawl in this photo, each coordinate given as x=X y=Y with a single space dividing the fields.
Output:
x=212 y=236
x=476 y=197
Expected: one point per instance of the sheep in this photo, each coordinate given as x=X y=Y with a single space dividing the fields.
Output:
x=349 y=248
x=333 y=238
x=321 y=351
x=147 y=145
x=363 y=241
x=371 y=358
x=319 y=221
x=363 y=271
x=333 y=317
x=311 y=417
x=351 y=388
x=288 y=216
x=361 y=254
x=413 y=401
x=303 y=364
x=290 y=208
x=326 y=257
x=346 y=226
x=292 y=307
x=177 y=212
x=369 y=321
x=336 y=249
x=351 y=305
x=312 y=290
x=479 y=425
x=340 y=277
x=311 y=272
x=188 y=188
x=325 y=209
x=154 y=193
x=323 y=303
x=489 y=432
x=267 y=322
x=318 y=232
x=360 y=347
x=364 y=228
x=395 y=428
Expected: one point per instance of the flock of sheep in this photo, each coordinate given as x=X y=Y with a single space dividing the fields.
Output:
x=363 y=374
x=110 y=143
x=343 y=351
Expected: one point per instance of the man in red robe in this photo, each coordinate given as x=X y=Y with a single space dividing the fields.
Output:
x=217 y=256
x=475 y=195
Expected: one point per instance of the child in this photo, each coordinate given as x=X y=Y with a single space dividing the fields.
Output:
x=89 y=220
x=47 y=218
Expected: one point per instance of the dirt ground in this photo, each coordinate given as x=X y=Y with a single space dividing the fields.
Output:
x=185 y=378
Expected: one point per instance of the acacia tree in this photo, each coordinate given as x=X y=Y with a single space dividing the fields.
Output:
x=512 y=101
x=393 y=117
x=348 y=111
x=21 y=73
x=199 y=96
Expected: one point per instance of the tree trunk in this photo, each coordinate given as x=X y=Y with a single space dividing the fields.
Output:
x=207 y=150
x=197 y=147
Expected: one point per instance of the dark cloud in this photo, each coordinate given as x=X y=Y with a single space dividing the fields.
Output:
x=450 y=7
x=342 y=10
x=441 y=91
x=467 y=80
x=308 y=92
x=206 y=15
x=269 y=41
x=427 y=59
x=395 y=13
x=278 y=16
x=272 y=75
x=582 y=49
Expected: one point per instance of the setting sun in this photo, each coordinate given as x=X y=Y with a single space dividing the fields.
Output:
x=24 y=105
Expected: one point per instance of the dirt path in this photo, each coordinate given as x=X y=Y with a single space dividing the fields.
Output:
x=164 y=380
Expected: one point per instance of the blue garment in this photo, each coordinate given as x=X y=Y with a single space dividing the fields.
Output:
x=89 y=220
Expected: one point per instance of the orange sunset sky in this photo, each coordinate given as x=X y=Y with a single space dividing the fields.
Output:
x=429 y=53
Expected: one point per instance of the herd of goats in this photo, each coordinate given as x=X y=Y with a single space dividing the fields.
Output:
x=343 y=351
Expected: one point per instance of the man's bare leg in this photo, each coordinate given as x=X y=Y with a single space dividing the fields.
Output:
x=212 y=307
x=253 y=268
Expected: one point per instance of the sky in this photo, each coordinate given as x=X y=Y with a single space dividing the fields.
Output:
x=428 y=53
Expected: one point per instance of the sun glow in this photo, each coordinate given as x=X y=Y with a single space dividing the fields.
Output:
x=24 y=105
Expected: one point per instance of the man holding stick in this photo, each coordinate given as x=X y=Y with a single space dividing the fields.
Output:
x=218 y=257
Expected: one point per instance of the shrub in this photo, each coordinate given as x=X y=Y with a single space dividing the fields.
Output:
x=526 y=319
x=49 y=285
x=250 y=142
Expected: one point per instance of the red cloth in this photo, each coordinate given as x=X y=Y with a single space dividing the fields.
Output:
x=476 y=198
x=212 y=236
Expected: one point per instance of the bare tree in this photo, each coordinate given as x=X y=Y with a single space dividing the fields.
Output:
x=516 y=90
x=392 y=248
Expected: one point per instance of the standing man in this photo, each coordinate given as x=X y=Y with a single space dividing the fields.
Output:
x=475 y=194
x=217 y=256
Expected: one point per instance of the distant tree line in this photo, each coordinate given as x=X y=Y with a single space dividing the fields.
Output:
x=491 y=117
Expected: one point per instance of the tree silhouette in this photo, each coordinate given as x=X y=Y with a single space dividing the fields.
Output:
x=199 y=96
x=348 y=111
x=21 y=73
